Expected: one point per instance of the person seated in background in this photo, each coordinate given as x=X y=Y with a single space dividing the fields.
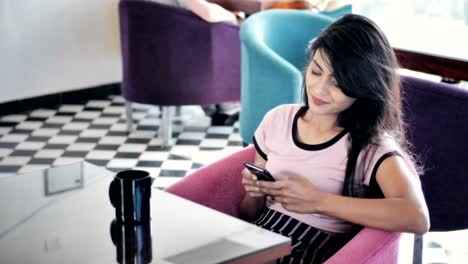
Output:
x=339 y=159
x=209 y=12
x=225 y=113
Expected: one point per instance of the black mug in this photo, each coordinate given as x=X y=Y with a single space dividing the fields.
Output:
x=132 y=241
x=130 y=193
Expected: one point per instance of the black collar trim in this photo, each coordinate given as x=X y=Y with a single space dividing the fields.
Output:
x=312 y=147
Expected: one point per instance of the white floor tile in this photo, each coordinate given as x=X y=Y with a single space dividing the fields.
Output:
x=66 y=160
x=154 y=155
x=142 y=134
x=112 y=140
x=105 y=120
x=186 y=151
x=150 y=122
x=45 y=132
x=29 y=125
x=176 y=165
x=192 y=135
x=119 y=127
x=30 y=145
x=163 y=182
x=235 y=137
x=138 y=116
x=63 y=139
x=5 y=130
x=59 y=119
x=94 y=133
x=76 y=126
x=157 y=142
x=49 y=153
x=213 y=143
x=5 y=152
x=42 y=113
x=132 y=148
x=14 y=118
x=207 y=157
x=81 y=147
x=122 y=163
x=88 y=114
x=15 y=160
x=220 y=130
x=71 y=108
x=98 y=103
x=14 y=138
x=154 y=172
x=101 y=154
x=114 y=110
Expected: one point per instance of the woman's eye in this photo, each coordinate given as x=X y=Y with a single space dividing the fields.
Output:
x=334 y=83
x=316 y=73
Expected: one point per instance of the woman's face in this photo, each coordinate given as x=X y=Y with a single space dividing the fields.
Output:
x=323 y=93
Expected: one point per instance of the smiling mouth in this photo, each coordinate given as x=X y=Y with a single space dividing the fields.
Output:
x=318 y=101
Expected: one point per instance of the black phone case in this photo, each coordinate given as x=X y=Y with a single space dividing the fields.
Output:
x=261 y=173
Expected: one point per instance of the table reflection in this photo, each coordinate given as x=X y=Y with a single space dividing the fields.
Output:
x=133 y=242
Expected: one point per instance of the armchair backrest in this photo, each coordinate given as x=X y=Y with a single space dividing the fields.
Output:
x=170 y=56
x=286 y=32
x=437 y=123
x=274 y=44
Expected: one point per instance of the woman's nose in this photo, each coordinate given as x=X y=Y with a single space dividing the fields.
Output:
x=321 y=86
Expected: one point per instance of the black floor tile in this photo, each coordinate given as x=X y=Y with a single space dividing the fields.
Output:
x=145 y=163
x=172 y=173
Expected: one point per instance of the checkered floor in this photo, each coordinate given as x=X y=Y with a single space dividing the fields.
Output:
x=96 y=131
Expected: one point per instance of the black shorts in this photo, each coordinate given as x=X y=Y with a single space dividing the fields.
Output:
x=309 y=244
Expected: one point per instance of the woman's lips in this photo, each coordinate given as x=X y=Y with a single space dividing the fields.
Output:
x=318 y=101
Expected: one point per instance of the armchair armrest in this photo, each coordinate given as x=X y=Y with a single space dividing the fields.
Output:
x=369 y=246
x=217 y=185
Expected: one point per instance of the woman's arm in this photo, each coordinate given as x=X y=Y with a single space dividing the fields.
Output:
x=211 y=12
x=254 y=201
x=403 y=208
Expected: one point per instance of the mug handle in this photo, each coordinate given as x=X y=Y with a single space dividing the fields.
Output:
x=113 y=195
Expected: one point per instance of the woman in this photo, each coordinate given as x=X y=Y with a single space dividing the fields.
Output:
x=340 y=159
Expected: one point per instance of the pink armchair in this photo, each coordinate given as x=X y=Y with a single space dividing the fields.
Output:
x=219 y=187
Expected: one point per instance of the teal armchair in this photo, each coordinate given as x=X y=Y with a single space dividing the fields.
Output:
x=273 y=56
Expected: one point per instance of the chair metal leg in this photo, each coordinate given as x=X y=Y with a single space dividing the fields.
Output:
x=418 y=249
x=128 y=111
x=165 y=128
x=178 y=110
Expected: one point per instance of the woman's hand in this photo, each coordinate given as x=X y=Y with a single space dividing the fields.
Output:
x=250 y=184
x=297 y=194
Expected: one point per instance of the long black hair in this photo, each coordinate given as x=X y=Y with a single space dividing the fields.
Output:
x=365 y=68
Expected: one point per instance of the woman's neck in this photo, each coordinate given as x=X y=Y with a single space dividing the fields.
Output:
x=321 y=123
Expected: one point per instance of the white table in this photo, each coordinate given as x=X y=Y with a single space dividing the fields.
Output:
x=73 y=226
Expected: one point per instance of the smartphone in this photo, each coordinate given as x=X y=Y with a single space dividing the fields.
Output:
x=261 y=173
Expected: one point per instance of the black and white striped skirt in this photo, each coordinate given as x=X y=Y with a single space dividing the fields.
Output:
x=309 y=244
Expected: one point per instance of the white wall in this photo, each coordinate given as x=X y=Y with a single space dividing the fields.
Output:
x=49 y=46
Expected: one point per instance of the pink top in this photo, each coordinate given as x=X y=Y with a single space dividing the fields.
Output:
x=323 y=164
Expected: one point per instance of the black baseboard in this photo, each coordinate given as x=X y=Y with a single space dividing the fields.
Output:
x=54 y=100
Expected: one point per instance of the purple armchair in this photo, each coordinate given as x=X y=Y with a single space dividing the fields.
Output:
x=171 y=57
x=437 y=119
